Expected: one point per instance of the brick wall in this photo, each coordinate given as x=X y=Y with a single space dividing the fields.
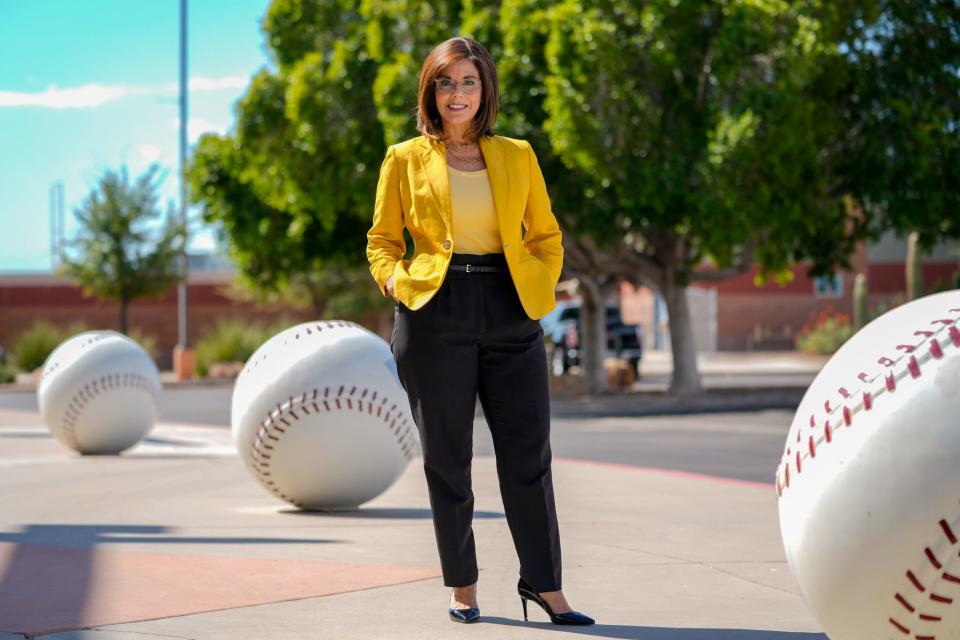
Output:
x=26 y=300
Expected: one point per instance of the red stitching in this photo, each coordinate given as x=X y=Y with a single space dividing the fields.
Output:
x=909 y=607
x=261 y=460
x=915 y=582
x=890 y=381
x=913 y=367
x=938 y=598
x=935 y=350
x=899 y=626
x=78 y=402
x=932 y=558
x=947 y=531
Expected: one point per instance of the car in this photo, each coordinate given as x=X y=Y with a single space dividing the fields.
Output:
x=561 y=327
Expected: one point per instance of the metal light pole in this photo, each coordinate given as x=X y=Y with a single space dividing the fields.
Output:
x=183 y=362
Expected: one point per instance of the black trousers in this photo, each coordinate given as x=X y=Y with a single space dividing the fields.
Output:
x=474 y=338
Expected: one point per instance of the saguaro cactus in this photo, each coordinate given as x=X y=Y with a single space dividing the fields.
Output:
x=914 y=269
x=859 y=301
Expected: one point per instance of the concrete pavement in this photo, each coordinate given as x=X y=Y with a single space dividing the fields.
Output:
x=175 y=539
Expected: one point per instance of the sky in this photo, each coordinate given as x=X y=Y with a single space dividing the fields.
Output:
x=91 y=85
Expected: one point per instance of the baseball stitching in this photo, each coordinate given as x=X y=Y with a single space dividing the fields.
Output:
x=90 y=390
x=919 y=589
x=318 y=327
x=284 y=415
x=847 y=406
x=86 y=343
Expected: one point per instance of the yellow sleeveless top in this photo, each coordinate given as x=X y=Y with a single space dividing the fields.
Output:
x=475 y=226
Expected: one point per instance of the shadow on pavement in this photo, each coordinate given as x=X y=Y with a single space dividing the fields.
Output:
x=56 y=564
x=630 y=632
x=382 y=512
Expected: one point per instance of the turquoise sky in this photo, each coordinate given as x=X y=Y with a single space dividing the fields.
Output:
x=90 y=85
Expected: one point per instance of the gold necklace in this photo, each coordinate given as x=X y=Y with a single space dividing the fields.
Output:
x=461 y=147
x=471 y=161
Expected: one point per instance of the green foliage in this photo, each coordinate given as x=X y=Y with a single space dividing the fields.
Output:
x=233 y=340
x=32 y=347
x=903 y=150
x=824 y=333
x=145 y=340
x=913 y=267
x=860 y=293
x=671 y=134
x=120 y=257
x=8 y=373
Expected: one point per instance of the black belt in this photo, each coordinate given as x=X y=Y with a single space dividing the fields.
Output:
x=471 y=268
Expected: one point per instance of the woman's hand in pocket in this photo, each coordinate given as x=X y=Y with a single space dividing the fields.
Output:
x=389 y=286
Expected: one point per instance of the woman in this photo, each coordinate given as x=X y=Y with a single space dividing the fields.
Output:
x=466 y=319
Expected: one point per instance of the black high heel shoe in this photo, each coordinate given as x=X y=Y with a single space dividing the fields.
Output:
x=568 y=617
x=464 y=615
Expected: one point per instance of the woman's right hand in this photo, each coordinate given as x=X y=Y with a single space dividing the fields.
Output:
x=389 y=286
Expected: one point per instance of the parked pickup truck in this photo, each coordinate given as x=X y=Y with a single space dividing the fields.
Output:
x=561 y=328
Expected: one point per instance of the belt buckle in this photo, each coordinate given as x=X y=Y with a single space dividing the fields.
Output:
x=468 y=268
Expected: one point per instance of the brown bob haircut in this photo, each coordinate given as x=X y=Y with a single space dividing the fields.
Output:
x=429 y=122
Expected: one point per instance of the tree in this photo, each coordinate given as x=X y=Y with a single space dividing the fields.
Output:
x=705 y=137
x=292 y=188
x=121 y=254
x=681 y=141
x=902 y=157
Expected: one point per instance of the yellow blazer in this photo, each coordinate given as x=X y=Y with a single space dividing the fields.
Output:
x=414 y=192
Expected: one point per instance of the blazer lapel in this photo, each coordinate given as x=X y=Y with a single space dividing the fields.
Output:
x=499 y=177
x=434 y=157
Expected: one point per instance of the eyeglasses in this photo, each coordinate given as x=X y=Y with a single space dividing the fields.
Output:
x=447 y=86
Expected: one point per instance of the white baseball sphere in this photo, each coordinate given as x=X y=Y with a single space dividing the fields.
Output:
x=98 y=392
x=320 y=418
x=869 y=483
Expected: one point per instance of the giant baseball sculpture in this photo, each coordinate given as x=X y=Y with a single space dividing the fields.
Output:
x=98 y=392
x=869 y=482
x=320 y=418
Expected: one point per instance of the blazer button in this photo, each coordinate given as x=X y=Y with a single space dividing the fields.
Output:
x=446 y=244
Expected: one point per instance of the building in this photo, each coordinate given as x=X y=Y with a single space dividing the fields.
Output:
x=737 y=315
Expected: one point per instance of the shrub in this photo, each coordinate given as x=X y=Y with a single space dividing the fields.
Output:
x=7 y=373
x=32 y=347
x=824 y=333
x=145 y=340
x=232 y=340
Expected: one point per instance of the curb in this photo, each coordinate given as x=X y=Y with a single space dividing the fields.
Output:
x=629 y=404
x=654 y=403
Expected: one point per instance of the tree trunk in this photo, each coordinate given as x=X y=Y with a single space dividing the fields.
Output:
x=686 y=377
x=593 y=334
x=123 y=315
x=318 y=303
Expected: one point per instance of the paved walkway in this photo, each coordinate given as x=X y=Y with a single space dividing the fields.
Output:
x=175 y=539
